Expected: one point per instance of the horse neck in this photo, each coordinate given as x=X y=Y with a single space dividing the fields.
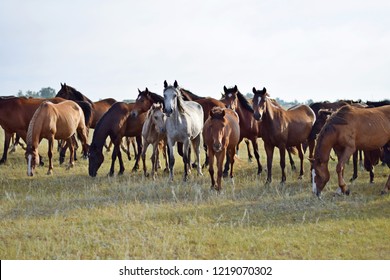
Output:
x=325 y=143
x=34 y=129
x=271 y=113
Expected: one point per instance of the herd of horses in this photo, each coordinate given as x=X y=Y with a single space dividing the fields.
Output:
x=179 y=116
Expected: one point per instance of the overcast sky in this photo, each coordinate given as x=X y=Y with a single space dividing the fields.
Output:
x=307 y=49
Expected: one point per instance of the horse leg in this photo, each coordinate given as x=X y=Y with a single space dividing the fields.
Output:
x=206 y=160
x=292 y=163
x=220 y=158
x=210 y=155
x=186 y=159
x=354 y=161
x=248 y=149
x=387 y=187
x=300 y=153
x=155 y=156
x=137 y=157
x=70 y=143
x=7 y=139
x=282 y=152
x=196 y=145
x=312 y=144
x=164 y=150
x=257 y=155
x=230 y=154
x=113 y=159
x=171 y=158
x=227 y=166
x=62 y=148
x=269 y=150
x=143 y=156
x=50 y=155
x=343 y=157
x=133 y=143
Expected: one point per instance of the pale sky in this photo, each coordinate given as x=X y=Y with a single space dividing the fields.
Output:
x=305 y=49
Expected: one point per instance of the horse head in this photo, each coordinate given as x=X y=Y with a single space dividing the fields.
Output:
x=142 y=103
x=171 y=96
x=230 y=97
x=320 y=175
x=32 y=158
x=158 y=118
x=219 y=122
x=96 y=159
x=259 y=102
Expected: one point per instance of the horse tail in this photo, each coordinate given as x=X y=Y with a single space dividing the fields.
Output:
x=87 y=110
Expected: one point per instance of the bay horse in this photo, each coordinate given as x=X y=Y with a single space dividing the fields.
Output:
x=282 y=128
x=249 y=127
x=184 y=124
x=116 y=123
x=55 y=121
x=154 y=133
x=99 y=108
x=221 y=134
x=348 y=129
x=144 y=102
x=22 y=110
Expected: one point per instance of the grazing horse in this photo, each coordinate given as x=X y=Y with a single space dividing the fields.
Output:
x=348 y=129
x=21 y=109
x=116 y=123
x=55 y=121
x=99 y=108
x=249 y=127
x=154 y=132
x=221 y=134
x=282 y=129
x=184 y=124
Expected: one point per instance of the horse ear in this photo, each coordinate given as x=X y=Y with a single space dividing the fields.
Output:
x=223 y=95
x=175 y=84
x=223 y=113
x=235 y=88
x=225 y=89
x=211 y=113
x=139 y=91
x=254 y=90
x=264 y=90
x=165 y=84
x=146 y=90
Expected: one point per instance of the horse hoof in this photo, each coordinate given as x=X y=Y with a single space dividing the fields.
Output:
x=50 y=172
x=383 y=192
x=300 y=177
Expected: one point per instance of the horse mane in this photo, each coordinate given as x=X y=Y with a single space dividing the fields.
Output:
x=244 y=102
x=32 y=124
x=217 y=113
x=339 y=117
x=189 y=95
x=78 y=95
x=87 y=110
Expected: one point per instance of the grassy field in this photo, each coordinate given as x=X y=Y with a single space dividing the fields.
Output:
x=70 y=215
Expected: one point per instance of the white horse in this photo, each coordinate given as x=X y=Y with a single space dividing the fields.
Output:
x=184 y=124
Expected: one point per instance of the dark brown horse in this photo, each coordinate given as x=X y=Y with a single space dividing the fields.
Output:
x=249 y=127
x=55 y=121
x=115 y=123
x=99 y=108
x=21 y=109
x=221 y=133
x=282 y=128
x=347 y=130
x=144 y=102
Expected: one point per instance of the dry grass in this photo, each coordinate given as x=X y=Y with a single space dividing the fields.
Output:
x=71 y=216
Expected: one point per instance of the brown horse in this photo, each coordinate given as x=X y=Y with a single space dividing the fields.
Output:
x=144 y=102
x=249 y=127
x=117 y=124
x=282 y=128
x=154 y=132
x=21 y=109
x=55 y=121
x=347 y=130
x=221 y=134
x=99 y=108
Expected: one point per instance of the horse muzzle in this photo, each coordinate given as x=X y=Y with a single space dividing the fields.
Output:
x=217 y=147
x=257 y=116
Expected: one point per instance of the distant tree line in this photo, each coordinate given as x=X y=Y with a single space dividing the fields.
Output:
x=46 y=92
x=283 y=103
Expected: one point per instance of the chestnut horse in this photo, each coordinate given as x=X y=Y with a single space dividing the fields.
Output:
x=154 y=132
x=221 y=134
x=282 y=128
x=348 y=129
x=55 y=121
x=99 y=108
x=116 y=123
x=21 y=109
